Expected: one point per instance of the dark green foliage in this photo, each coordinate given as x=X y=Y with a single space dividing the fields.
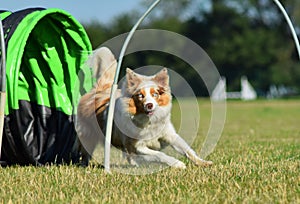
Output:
x=248 y=38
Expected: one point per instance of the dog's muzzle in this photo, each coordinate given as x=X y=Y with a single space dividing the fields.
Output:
x=149 y=108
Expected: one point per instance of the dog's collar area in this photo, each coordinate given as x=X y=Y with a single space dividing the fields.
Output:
x=141 y=120
x=141 y=115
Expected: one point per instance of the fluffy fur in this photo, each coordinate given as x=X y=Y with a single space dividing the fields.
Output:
x=142 y=118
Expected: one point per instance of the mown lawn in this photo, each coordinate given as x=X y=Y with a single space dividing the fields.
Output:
x=257 y=160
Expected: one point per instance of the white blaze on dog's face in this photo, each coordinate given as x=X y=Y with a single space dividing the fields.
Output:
x=148 y=97
x=147 y=93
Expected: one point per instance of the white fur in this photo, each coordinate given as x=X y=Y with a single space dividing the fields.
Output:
x=149 y=100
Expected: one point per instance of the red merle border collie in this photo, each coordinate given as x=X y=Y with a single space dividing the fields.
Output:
x=142 y=118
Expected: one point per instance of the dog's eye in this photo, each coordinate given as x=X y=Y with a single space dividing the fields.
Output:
x=155 y=95
x=140 y=96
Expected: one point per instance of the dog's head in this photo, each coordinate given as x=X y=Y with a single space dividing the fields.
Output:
x=147 y=94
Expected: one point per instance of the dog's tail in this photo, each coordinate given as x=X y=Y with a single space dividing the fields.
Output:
x=102 y=60
x=103 y=64
x=90 y=112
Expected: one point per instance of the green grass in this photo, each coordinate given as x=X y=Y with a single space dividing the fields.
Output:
x=257 y=160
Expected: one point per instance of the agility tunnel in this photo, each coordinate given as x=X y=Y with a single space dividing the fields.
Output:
x=46 y=50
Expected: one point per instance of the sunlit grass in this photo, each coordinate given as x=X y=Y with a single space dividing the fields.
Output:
x=257 y=160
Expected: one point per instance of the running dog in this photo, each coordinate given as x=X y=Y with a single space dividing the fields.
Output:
x=142 y=117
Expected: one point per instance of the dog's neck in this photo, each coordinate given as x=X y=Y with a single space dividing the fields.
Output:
x=141 y=120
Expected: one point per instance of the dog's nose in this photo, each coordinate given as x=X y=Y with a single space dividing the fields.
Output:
x=149 y=106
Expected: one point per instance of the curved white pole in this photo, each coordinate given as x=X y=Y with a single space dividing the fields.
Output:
x=277 y=2
x=112 y=101
x=115 y=85
x=3 y=83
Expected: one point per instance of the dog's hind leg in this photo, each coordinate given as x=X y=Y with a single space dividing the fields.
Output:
x=130 y=158
x=157 y=156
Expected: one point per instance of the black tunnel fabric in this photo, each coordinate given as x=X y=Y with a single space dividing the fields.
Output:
x=39 y=135
x=46 y=50
x=11 y=22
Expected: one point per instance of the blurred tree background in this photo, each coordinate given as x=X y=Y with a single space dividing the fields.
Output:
x=242 y=37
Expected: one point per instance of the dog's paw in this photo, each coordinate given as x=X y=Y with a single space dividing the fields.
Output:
x=133 y=162
x=131 y=159
x=204 y=163
x=179 y=165
x=197 y=160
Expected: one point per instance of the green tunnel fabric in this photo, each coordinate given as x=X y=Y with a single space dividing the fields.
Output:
x=46 y=51
x=4 y=14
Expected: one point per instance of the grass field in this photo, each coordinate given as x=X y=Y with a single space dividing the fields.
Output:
x=257 y=160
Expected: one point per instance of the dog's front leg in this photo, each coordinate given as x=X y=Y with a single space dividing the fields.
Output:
x=182 y=147
x=157 y=156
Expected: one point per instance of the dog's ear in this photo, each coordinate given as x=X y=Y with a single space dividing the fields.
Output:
x=162 y=78
x=132 y=78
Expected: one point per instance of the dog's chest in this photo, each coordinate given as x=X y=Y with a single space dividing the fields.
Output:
x=153 y=135
x=154 y=143
x=143 y=128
